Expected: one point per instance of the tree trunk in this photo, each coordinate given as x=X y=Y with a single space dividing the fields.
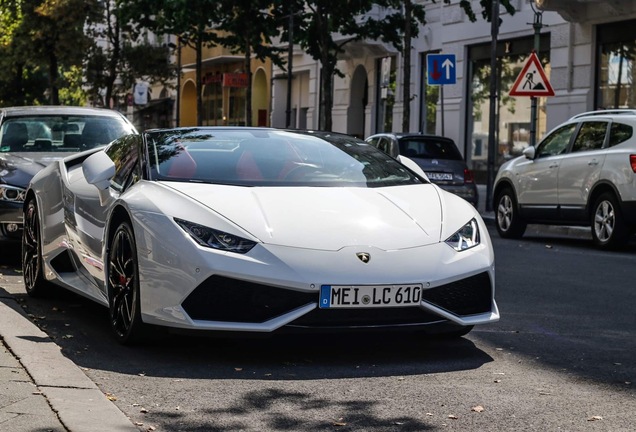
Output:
x=113 y=37
x=406 y=67
x=199 y=53
x=54 y=97
x=248 y=90
x=326 y=96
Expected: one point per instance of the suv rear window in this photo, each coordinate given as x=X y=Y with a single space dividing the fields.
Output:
x=619 y=133
x=429 y=148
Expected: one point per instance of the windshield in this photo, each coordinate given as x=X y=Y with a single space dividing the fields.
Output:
x=59 y=133
x=429 y=148
x=264 y=157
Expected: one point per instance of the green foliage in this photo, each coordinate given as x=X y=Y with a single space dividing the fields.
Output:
x=73 y=93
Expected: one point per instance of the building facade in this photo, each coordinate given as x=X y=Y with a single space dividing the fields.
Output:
x=587 y=49
x=223 y=89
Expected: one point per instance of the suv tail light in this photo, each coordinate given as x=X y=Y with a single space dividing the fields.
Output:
x=468 y=174
x=632 y=162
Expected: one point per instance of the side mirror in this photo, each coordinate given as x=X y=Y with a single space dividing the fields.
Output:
x=529 y=152
x=98 y=169
x=393 y=150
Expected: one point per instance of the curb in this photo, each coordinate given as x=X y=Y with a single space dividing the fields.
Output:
x=77 y=401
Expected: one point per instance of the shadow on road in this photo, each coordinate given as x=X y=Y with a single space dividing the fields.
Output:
x=80 y=327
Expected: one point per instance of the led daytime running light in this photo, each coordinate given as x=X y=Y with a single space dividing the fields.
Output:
x=215 y=239
x=467 y=237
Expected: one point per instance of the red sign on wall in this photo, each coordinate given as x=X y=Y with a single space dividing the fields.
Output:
x=235 y=80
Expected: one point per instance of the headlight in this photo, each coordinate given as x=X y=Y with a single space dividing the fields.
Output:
x=466 y=238
x=215 y=239
x=12 y=193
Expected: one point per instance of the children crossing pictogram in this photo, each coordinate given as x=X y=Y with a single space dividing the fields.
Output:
x=532 y=81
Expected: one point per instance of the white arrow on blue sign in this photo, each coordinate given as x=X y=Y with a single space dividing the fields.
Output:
x=440 y=69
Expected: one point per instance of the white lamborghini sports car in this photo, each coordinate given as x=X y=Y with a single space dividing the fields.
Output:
x=257 y=230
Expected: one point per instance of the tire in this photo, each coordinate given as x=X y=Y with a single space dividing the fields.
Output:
x=122 y=280
x=609 y=230
x=32 y=263
x=509 y=222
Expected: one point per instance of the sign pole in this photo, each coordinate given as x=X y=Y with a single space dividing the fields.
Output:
x=441 y=95
x=492 y=120
x=538 y=15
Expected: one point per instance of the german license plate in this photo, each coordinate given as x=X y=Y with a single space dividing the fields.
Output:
x=369 y=296
x=439 y=176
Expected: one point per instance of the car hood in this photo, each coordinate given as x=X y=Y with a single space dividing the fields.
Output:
x=18 y=168
x=388 y=218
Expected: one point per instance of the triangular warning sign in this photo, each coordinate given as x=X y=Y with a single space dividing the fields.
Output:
x=532 y=80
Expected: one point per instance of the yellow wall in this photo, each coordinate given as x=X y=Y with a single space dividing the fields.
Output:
x=261 y=79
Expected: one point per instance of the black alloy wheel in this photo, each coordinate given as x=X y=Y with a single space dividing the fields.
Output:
x=123 y=286
x=509 y=222
x=32 y=263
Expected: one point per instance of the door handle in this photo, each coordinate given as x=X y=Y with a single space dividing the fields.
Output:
x=593 y=162
x=554 y=165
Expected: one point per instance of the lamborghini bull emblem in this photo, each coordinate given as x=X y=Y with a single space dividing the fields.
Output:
x=364 y=257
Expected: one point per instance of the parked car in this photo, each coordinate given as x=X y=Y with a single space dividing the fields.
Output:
x=257 y=230
x=438 y=156
x=33 y=137
x=582 y=173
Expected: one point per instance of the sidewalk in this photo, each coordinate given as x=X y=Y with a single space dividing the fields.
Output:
x=43 y=391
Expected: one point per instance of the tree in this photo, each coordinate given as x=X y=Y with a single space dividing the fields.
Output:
x=323 y=29
x=41 y=39
x=402 y=25
x=123 y=57
x=191 y=21
x=56 y=32
x=254 y=39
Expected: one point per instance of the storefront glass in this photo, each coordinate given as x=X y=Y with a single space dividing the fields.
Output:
x=512 y=113
x=616 y=75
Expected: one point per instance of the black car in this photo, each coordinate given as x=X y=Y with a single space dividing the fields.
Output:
x=32 y=137
x=438 y=157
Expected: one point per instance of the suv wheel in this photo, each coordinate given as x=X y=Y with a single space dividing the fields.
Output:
x=509 y=222
x=609 y=230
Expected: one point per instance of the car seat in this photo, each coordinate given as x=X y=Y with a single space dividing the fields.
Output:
x=15 y=136
x=95 y=133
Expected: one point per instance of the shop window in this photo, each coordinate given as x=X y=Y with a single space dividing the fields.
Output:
x=386 y=84
x=512 y=114
x=616 y=67
x=428 y=104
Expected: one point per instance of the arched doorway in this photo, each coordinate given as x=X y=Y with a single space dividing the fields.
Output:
x=358 y=102
x=260 y=115
x=188 y=107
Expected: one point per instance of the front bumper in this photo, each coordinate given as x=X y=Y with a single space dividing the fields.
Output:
x=188 y=287
x=11 y=212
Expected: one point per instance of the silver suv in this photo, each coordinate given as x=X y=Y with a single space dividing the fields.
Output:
x=582 y=173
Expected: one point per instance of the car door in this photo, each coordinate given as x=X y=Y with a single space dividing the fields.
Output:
x=537 y=178
x=93 y=208
x=580 y=169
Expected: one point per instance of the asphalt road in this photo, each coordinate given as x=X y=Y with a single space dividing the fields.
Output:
x=561 y=359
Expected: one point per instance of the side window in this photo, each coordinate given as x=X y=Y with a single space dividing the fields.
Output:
x=591 y=136
x=383 y=144
x=619 y=133
x=374 y=141
x=125 y=154
x=557 y=142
